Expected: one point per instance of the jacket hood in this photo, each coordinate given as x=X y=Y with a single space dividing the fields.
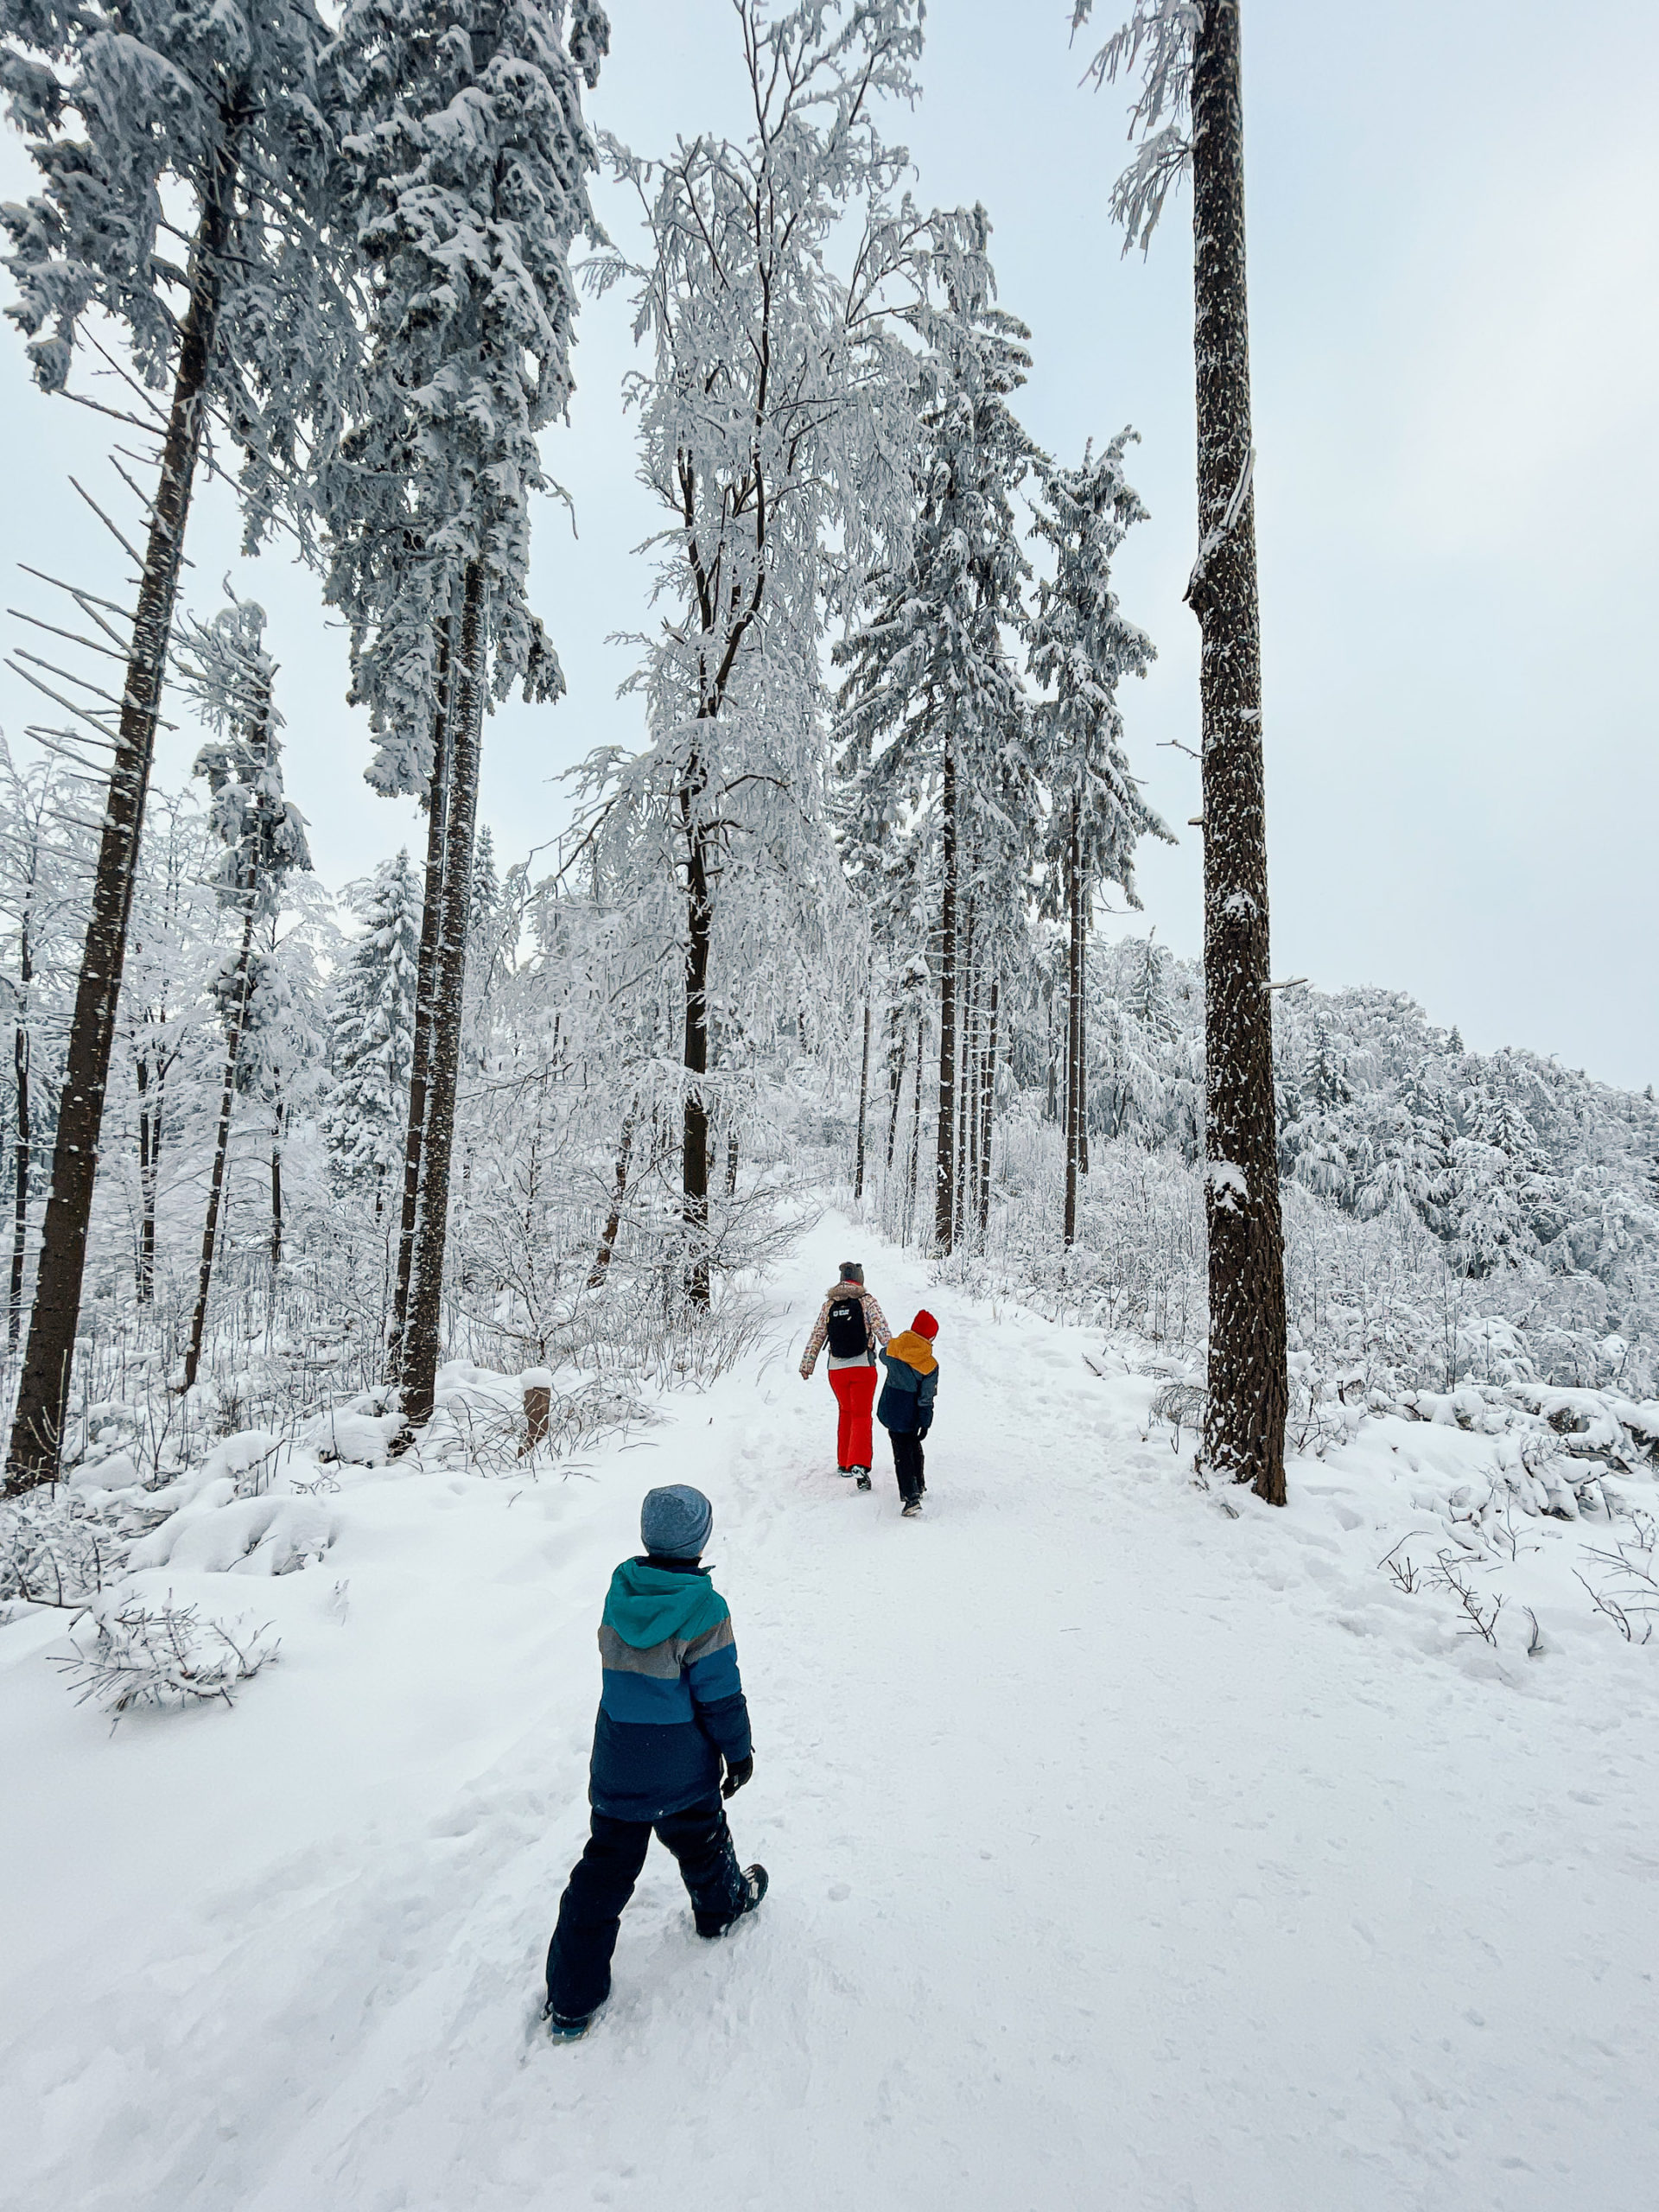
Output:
x=648 y=1605
x=914 y=1350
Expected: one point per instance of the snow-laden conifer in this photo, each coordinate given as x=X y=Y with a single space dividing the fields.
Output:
x=1082 y=647
x=934 y=713
x=372 y=1030
x=1182 y=57
x=261 y=835
x=186 y=156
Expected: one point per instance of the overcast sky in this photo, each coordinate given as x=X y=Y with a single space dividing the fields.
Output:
x=1454 y=264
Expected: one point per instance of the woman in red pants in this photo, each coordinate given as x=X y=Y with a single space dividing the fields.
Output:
x=852 y=1324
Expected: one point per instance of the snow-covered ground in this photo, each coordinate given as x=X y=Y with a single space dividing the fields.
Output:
x=1124 y=1853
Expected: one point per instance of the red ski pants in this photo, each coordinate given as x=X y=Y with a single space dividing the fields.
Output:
x=855 y=1390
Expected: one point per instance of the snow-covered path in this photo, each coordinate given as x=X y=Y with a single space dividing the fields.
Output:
x=1123 y=1855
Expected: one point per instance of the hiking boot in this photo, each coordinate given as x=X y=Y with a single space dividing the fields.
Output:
x=846 y=1471
x=753 y=1879
x=912 y=1507
x=863 y=1474
x=564 y=2027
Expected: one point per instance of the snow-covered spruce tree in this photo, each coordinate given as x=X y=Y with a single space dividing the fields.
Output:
x=1184 y=57
x=229 y=675
x=282 y=1063
x=1082 y=647
x=373 y=1031
x=933 y=715
x=772 y=419
x=136 y=116
x=471 y=158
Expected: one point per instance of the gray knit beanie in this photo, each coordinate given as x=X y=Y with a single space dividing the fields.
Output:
x=674 y=1523
x=853 y=1271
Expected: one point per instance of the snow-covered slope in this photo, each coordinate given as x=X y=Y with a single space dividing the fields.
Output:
x=1124 y=1853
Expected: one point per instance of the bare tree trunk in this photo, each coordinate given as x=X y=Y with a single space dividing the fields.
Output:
x=145 y=1274
x=20 y=1057
x=619 y=1197
x=424 y=1328
x=863 y=1099
x=1073 y=1021
x=1244 y=1426
x=987 y=1103
x=43 y=1395
x=915 y=1126
x=944 y=1192
x=221 y=1148
x=425 y=978
x=731 y=1161
x=699 y=925
x=897 y=1038
x=277 y=1127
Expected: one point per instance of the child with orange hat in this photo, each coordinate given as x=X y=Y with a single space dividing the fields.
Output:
x=905 y=1410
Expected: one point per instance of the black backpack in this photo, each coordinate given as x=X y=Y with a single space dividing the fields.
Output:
x=850 y=1335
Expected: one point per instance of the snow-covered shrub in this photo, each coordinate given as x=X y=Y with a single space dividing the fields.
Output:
x=163 y=1655
x=57 y=1549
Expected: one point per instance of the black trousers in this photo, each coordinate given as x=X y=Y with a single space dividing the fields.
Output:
x=601 y=1881
x=908 y=1465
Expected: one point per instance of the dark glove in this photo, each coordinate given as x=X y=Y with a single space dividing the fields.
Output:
x=738 y=1771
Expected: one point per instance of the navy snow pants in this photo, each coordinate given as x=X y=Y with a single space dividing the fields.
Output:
x=601 y=1881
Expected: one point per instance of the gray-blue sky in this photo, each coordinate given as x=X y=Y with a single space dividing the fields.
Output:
x=1455 y=312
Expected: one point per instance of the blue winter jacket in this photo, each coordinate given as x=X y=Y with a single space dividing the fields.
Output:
x=672 y=1701
x=905 y=1406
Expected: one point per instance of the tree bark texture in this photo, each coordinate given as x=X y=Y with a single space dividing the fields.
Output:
x=221 y=1148
x=987 y=1103
x=1244 y=1427
x=1073 y=1021
x=20 y=1058
x=149 y=1148
x=863 y=1103
x=699 y=929
x=423 y=1335
x=944 y=1191
x=619 y=1197
x=897 y=1036
x=425 y=974
x=43 y=1396
x=278 y=1128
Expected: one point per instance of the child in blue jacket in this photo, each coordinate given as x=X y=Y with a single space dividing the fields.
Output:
x=671 y=1710
x=905 y=1410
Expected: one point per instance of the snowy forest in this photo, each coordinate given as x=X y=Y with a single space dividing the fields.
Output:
x=480 y=1163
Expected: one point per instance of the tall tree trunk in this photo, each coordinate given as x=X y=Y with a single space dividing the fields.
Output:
x=144 y=1273
x=1073 y=1019
x=20 y=1054
x=863 y=1099
x=915 y=1126
x=987 y=1108
x=1244 y=1426
x=221 y=1147
x=426 y=969
x=278 y=1125
x=898 y=1036
x=699 y=923
x=731 y=1161
x=944 y=1192
x=43 y=1396
x=618 y=1197
x=422 y=1335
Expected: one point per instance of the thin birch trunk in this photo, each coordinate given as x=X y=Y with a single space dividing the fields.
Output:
x=35 y=1448
x=944 y=1192
x=425 y=975
x=1244 y=1425
x=424 y=1329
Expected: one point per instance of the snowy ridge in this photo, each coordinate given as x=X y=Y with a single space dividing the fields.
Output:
x=1124 y=1850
